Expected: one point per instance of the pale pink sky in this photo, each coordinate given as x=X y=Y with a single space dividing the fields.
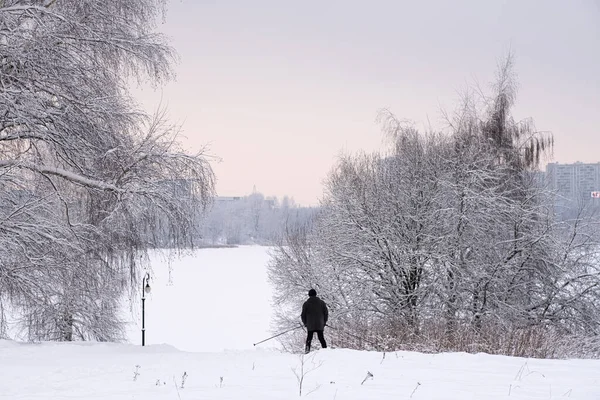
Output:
x=278 y=89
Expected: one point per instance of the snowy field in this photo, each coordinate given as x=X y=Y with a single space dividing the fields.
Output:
x=201 y=323
x=213 y=300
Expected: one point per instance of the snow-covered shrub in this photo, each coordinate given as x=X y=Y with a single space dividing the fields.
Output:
x=447 y=241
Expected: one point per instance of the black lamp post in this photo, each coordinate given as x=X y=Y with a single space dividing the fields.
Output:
x=145 y=289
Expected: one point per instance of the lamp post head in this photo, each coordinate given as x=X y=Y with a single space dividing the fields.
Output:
x=147 y=288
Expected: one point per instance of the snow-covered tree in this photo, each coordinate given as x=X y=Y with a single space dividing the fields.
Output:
x=448 y=240
x=88 y=182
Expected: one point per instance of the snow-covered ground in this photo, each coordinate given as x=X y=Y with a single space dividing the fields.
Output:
x=108 y=371
x=219 y=299
x=214 y=299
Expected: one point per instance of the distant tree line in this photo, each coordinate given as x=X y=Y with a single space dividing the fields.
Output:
x=251 y=219
x=447 y=241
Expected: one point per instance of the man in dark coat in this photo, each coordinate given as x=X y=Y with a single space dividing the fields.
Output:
x=314 y=317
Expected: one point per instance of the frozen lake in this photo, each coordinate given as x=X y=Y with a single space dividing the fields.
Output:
x=214 y=299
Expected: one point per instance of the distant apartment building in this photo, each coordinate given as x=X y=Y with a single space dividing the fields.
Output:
x=574 y=182
x=227 y=199
x=268 y=202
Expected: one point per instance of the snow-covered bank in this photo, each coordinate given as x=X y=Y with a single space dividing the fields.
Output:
x=219 y=299
x=113 y=371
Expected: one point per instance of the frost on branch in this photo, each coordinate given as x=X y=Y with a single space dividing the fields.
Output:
x=449 y=241
x=88 y=182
